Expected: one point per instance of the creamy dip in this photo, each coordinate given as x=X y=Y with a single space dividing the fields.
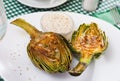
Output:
x=57 y=22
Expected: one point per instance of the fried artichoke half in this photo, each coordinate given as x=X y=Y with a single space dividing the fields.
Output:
x=47 y=50
x=89 y=42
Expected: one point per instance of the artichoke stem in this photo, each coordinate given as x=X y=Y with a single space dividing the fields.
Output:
x=78 y=69
x=26 y=26
x=81 y=66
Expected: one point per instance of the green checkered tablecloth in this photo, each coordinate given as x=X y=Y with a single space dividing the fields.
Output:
x=14 y=8
x=1 y=79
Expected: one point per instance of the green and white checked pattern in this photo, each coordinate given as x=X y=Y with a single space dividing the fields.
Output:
x=14 y=8
x=1 y=79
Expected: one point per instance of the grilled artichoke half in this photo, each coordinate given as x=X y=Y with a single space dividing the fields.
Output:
x=47 y=50
x=88 y=41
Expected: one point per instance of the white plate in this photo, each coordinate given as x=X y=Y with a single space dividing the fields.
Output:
x=42 y=3
x=16 y=66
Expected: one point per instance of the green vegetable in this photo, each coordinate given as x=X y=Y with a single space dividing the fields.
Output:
x=47 y=50
x=89 y=42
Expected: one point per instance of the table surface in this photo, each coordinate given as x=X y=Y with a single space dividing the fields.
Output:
x=15 y=8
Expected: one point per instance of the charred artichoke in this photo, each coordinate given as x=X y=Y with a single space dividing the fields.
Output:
x=47 y=50
x=89 y=42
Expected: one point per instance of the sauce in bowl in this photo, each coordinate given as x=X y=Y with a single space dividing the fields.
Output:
x=57 y=22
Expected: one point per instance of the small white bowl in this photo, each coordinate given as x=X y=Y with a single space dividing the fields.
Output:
x=57 y=22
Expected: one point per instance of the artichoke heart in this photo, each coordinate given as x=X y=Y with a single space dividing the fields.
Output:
x=47 y=50
x=89 y=42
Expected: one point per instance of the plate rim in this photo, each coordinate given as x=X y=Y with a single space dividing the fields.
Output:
x=65 y=12
x=43 y=7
